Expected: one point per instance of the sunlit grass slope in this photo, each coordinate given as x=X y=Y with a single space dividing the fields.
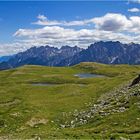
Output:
x=37 y=111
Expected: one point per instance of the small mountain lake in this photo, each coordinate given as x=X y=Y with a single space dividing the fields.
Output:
x=48 y=84
x=88 y=75
x=80 y=75
x=43 y=84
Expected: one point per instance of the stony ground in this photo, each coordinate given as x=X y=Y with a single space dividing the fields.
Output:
x=116 y=101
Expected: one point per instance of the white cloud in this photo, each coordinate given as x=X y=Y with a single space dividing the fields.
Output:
x=111 y=22
x=58 y=36
x=13 y=48
x=110 y=27
x=43 y=20
x=134 y=10
x=118 y=23
x=108 y=22
x=41 y=17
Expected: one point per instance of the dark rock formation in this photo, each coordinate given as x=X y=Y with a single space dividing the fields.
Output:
x=135 y=81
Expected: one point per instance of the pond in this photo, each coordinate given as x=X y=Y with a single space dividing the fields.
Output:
x=48 y=84
x=88 y=75
x=43 y=84
x=80 y=75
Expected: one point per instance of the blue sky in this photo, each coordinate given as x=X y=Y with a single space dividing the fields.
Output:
x=58 y=23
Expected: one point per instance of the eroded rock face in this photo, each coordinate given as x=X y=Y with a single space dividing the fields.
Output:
x=135 y=81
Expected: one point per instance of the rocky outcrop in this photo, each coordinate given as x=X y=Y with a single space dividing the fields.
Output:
x=135 y=81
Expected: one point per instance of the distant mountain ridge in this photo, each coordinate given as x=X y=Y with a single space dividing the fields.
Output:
x=5 y=58
x=108 y=53
x=103 y=52
x=44 y=55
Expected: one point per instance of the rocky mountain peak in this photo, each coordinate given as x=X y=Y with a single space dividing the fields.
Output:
x=102 y=52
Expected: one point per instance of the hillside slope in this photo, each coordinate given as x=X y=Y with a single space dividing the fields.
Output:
x=53 y=103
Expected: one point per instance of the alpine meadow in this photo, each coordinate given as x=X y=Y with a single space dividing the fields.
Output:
x=70 y=70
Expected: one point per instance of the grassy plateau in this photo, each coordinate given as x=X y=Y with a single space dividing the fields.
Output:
x=69 y=107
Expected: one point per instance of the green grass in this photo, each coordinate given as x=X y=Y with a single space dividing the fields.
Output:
x=18 y=96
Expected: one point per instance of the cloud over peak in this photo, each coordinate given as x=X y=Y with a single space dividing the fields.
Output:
x=111 y=22
x=117 y=22
x=43 y=20
x=109 y=27
x=108 y=22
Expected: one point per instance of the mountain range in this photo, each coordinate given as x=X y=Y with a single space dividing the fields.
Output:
x=102 y=52
x=5 y=58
